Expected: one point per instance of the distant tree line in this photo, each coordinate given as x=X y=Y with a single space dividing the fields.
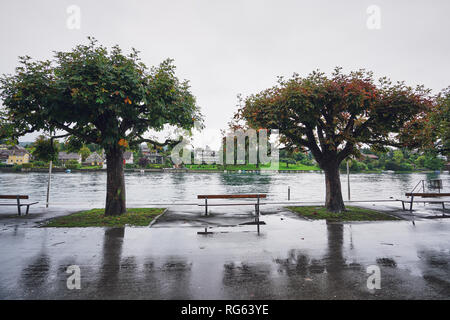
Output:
x=395 y=160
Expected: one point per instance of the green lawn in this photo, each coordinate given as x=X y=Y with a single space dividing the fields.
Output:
x=96 y=218
x=282 y=166
x=202 y=167
x=91 y=167
x=351 y=214
x=297 y=167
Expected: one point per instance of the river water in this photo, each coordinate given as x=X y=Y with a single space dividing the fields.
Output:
x=155 y=187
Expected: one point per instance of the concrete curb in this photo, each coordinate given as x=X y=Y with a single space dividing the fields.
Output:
x=156 y=219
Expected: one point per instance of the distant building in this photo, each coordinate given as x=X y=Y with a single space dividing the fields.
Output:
x=128 y=157
x=368 y=156
x=18 y=155
x=4 y=155
x=94 y=159
x=206 y=155
x=65 y=157
x=145 y=150
x=155 y=157
x=152 y=156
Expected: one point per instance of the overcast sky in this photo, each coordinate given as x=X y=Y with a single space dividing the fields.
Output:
x=228 y=47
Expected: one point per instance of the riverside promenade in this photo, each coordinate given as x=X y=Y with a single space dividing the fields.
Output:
x=292 y=258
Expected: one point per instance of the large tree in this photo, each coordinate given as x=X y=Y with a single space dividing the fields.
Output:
x=334 y=115
x=95 y=95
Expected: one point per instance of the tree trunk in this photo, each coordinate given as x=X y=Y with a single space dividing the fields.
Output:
x=333 y=199
x=115 y=183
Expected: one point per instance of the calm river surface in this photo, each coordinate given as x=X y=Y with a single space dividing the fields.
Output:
x=151 y=187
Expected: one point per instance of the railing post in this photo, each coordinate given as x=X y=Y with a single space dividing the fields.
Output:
x=18 y=205
x=348 y=180
x=206 y=206
x=49 y=181
x=257 y=215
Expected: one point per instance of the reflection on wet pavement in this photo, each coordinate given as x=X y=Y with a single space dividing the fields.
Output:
x=291 y=259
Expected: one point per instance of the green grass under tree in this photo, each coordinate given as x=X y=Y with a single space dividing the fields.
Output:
x=139 y=217
x=351 y=214
x=282 y=166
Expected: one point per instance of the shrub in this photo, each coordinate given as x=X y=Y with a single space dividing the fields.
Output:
x=433 y=163
x=72 y=164
x=392 y=165
x=406 y=167
x=154 y=166
x=39 y=164
x=357 y=166
x=420 y=161
x=5 y=165
x=143 y=162
x=307 y=162
x=354 y=166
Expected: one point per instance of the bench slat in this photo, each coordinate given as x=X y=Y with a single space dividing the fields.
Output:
x=228 y=204
x=15 y=204
x=427 y=195
x=13 y=196
x=427 y=201
x=231 y=196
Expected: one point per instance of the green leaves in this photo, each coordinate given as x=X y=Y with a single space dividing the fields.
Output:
x=95 y=94
x=331 y=115
x=45 y=149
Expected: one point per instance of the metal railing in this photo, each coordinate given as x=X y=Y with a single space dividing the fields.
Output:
x=420 y=182
x=432 y=184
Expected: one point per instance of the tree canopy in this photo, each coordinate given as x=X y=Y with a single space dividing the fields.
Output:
x=96 y=96
x=45 y=149
x=333 y=116
x=440 y=123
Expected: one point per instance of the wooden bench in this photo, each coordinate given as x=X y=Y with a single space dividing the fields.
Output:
x=425 y=195
x=235 y=196
x=18 y=203
x=231 y=196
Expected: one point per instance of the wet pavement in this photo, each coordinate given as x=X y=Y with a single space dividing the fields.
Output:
x=291 y=258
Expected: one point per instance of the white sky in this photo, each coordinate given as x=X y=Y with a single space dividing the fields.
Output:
x=228 y=47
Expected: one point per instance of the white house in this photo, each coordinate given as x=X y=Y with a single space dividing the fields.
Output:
x=205 y=155
x=128 y=157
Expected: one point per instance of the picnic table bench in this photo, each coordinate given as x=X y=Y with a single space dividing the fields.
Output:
x=433 y=195
x=235 y=196
x=17 y=203
x=231 y=196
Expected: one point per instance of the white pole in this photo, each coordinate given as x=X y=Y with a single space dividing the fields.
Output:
x=348 y=180
x=49 y=180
